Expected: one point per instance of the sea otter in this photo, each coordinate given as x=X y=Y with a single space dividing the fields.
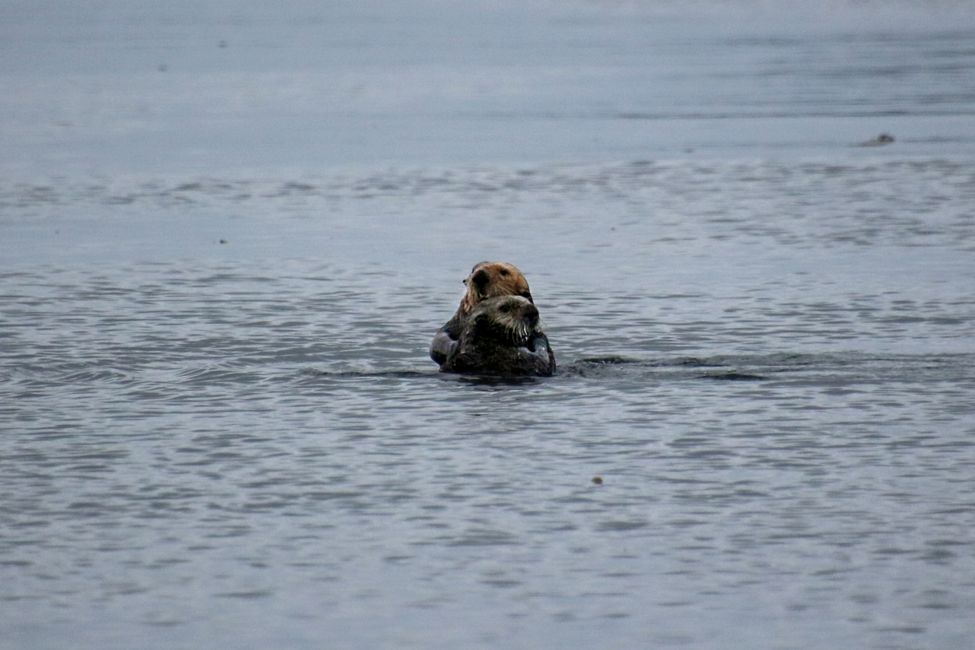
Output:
x=502 y=336
x=486 y=280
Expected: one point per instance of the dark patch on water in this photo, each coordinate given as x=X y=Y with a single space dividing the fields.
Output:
x=732 y=376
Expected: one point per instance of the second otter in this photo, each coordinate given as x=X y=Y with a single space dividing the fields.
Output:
x=502 y=336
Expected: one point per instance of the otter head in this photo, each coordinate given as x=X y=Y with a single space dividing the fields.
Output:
x=491 y=279
x=511 y=319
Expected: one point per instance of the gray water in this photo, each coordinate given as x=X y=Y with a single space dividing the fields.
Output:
x=228 y=234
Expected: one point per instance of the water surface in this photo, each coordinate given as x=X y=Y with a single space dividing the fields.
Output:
x=219 y=423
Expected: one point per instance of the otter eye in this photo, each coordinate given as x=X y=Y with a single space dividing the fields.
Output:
x=505 y=308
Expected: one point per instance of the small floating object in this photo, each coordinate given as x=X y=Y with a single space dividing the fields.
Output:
x=598 y=480
x=879 y=141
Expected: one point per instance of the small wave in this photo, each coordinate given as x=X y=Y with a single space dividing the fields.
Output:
x=314 y=373
x=610 y=360
x=831 y=367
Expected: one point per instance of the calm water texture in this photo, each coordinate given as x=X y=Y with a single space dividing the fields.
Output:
x=228 y=234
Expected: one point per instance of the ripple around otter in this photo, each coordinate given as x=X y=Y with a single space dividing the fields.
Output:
x=778 y=367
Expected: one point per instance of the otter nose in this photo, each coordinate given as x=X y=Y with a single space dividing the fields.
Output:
x=481 y=279
x=530 y=313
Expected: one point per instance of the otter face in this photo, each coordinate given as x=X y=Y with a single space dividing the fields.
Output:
x=521 y=310
x=490 y=279
x=512 y=319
